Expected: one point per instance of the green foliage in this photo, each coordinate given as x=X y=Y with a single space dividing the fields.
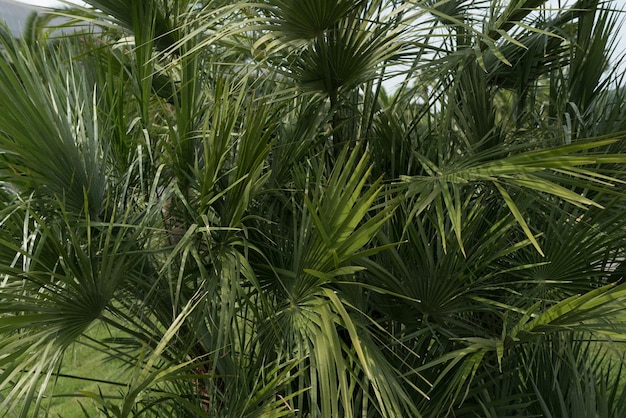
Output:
x=314 y=209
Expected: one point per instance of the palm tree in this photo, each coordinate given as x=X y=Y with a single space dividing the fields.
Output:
x=316 y=208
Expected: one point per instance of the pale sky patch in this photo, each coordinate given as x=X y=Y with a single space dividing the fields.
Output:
x=49 y=3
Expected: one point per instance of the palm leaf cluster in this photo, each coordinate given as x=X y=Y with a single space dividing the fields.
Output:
x=316 y=208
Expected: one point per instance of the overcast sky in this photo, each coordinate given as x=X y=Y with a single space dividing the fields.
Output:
x=48 y=3
x=554 y=3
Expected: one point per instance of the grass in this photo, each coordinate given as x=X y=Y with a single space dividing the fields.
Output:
x=82 y=366
x=87 y=362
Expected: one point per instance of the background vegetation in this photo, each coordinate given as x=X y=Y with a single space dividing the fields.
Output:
x=319 y=208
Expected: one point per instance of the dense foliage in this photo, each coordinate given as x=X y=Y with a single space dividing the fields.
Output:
x=324 y=208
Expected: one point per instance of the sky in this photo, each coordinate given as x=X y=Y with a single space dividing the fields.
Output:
x=47 y=3
x=621 y=45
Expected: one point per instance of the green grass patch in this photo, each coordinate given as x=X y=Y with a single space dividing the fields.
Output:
x=84 y=369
